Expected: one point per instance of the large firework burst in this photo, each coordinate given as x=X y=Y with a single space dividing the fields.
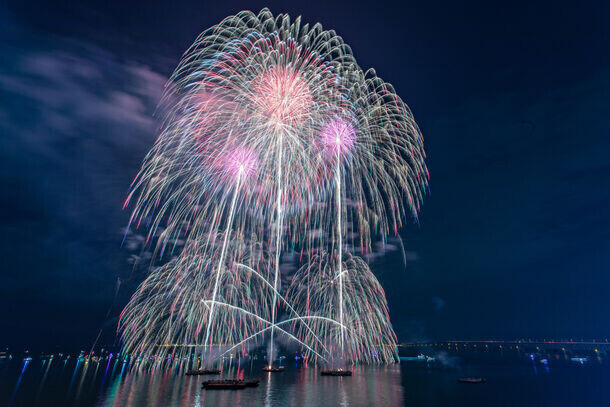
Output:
x=275 y=133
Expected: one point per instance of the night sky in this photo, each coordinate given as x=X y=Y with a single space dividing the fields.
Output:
x=513 y=99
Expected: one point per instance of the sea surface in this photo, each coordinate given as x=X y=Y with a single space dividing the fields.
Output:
x=513 y=379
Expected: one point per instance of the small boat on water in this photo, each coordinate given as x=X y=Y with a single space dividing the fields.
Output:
x=198 y=372
x=471 y=380
x=270 y=368
x=252 y=383
x=336 y=372
x=229 y=384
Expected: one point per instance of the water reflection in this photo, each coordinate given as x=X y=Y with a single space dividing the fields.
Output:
x=112 y=382
x=25 y=365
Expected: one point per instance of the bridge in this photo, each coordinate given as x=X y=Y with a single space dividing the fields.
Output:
x=525 y=345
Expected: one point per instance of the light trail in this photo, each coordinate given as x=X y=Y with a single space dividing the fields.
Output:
x=339 y=209
x=272 y=327
x=222 y=256
x=285 y=303
x=278 y=241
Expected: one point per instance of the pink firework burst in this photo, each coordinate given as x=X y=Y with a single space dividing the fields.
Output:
x=338 y=135
x=283 y=96
x=240 y=162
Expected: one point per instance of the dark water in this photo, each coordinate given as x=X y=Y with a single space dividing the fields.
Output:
x=511 y=381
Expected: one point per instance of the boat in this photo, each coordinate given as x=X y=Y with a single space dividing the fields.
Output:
x=471 y=380
x=270 y=368
x=225 y=384
x=229 y=384
x=197 y=372
x=579 y=359
x=252 y=383
x=336 y=372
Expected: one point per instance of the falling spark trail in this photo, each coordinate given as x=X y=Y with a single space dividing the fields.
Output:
x=277 y=244
x=340 y=240
x=290 y=307
x=277 y=326
x=272 y=327
x=222 y=255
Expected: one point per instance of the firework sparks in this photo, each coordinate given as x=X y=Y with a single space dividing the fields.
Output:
x=273 y=132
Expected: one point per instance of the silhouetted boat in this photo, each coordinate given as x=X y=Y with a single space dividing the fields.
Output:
x=336 y=372
x=197 y=372
x=270 y=368
x=252 y=383
x=471 y=380
x=228 y=384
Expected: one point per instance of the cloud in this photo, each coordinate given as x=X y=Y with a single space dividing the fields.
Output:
x=78 y=99
x=76 y=121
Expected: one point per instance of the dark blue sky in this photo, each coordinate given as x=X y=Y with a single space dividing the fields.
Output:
x=513 y=99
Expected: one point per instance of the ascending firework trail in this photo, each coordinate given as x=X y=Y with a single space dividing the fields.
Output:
x=338 y=137
x=242 y=161
x=278 y=244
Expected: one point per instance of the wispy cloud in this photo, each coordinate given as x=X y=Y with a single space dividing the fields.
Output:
x=75 y=121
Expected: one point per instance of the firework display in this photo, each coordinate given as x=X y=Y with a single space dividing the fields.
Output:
x=275 y=142
x=365 y=333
